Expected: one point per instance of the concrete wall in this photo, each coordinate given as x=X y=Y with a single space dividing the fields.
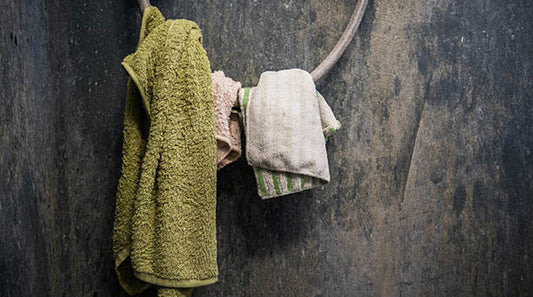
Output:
x=432 y=172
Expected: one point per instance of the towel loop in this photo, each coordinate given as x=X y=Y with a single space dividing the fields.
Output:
x=343 y=42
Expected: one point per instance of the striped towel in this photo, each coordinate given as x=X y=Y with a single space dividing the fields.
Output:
x=286 y=124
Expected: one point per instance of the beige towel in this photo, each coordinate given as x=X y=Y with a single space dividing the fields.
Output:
x=228 y=130
x=286 y=124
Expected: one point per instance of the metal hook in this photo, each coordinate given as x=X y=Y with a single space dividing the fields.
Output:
x=143 y=4
x=343 y=42
x=339 y=48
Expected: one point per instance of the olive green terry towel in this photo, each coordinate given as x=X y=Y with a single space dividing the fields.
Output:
x=164 y=232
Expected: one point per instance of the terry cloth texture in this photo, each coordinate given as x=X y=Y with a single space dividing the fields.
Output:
x=228 y=129
x=164 y=232
x=286 y=124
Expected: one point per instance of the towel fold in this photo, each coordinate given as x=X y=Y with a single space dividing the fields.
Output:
x=227 y=122
x=286 y=123
x=164 y=232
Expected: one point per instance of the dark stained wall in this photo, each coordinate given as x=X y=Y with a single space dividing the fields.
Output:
x=432 y=171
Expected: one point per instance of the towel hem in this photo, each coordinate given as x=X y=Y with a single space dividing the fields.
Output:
x=331 y=128
x=326 y=178
x=133 y=76
x=155 y=280
x=119 y=259
x=276 y=191
x=121 y=256
x=275 y=195
x=170 y=283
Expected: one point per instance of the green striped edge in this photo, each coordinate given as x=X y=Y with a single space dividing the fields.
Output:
x=261 y=181
x=246 y=98
x=290 y=186
x=277 y=186
x=302 y=182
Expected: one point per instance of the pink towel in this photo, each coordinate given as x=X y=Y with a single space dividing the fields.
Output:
x=228 y=129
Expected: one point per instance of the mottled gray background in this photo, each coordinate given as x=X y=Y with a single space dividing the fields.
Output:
x=432 y=172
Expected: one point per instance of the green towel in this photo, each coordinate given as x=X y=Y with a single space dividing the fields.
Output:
x=164 y=232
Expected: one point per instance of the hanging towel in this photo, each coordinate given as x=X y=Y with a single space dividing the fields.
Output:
x=286 y=123
x=228 y=128
x=164 y=232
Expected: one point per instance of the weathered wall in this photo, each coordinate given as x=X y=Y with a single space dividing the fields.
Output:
x=432 y=172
